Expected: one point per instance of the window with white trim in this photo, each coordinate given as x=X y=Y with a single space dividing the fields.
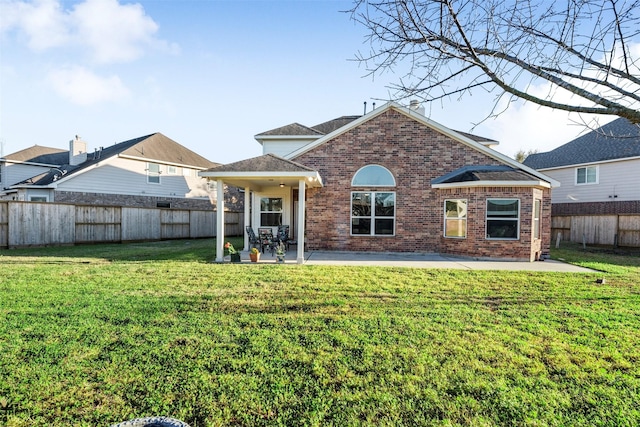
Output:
x=153 y=173
x=537 y=209
x=455 y=218
x=373 y=213
x=373 y=176
x=503 y=219
x=587 y=175
x=270 y=211
x=172 y=170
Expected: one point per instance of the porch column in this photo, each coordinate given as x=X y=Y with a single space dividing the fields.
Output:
x=247 y=218
x=300 y=231
x=220 y=221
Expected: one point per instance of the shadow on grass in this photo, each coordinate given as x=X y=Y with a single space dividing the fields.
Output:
x=198 y=250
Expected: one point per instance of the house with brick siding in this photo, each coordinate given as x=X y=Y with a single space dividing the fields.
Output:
x=598 y=171
x=391 y=180
x=149 y=171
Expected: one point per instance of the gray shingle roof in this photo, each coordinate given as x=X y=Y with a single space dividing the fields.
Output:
x=156 y=147
x=39 y=154
x=296 y=129
x=616 y=140
x=328 y=127
x=484 y=173
x=293 y=129
x=264 y=163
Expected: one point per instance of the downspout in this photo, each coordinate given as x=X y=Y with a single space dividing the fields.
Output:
x=220 y=222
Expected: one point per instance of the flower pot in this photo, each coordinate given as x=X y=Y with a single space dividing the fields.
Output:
x=280 y=258
x=235 y=257
x=254 y=257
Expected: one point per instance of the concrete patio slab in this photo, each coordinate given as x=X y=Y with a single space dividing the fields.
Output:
x=418 y=260
x=435 y=261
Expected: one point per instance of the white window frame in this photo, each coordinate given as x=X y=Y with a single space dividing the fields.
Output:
x=152 y=174
x=586 y=175
x=458 y=218
x=487 y=219
x=373 y=216
x=172 y=170
x=281 y=211
x=537 y=214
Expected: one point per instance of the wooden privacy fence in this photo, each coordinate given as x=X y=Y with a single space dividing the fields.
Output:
x=620 y=230
x=42 y=224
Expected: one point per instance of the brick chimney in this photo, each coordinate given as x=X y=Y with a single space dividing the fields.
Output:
x=77 y=151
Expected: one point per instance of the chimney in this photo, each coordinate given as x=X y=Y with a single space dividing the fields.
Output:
x=414 y=105
x=77 y=151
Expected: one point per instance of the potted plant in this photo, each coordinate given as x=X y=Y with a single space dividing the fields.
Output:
x=280 y=252
x=235 y=256
x=254 y=255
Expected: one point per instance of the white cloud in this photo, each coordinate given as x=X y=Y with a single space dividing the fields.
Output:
x=109 y=31
x=83 y=87
x=43 y=22
x=113 y=32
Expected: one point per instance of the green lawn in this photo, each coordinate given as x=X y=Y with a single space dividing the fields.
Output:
x=93 y=335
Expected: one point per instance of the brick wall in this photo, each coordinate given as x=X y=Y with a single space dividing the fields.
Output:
x=130 y=200
x=415 y=154
x=234 y=200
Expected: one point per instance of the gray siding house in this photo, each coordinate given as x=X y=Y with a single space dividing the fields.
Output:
x=599 y=172
x=149 y=171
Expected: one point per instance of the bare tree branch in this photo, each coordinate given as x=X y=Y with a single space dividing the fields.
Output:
x=443 y=47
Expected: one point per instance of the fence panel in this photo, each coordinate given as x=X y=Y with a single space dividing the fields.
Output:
x=40 y=224
x=4 y=224
x=96 y=224
x=174 y=224
x=594 y=229
x=629 y=230
x=233 y=224
x=202 y=224
x=140 y=224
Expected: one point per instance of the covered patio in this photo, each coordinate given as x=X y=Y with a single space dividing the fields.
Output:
x=264 y=175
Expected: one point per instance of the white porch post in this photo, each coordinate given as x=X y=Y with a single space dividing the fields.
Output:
x=247 y=218
x=220 y=221
x=300 y=231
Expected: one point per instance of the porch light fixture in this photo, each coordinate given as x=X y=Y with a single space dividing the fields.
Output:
x=281 y=185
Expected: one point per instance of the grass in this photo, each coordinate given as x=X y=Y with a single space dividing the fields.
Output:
x=94 y=335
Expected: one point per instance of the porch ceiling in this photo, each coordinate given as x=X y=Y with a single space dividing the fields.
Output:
x=260 y=180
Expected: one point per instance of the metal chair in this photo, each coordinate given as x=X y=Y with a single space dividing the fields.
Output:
x=254 y=242
x=283 y=236
x=265 y=235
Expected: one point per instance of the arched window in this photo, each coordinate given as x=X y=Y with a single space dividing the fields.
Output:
x=373 y=213
x=373 y=175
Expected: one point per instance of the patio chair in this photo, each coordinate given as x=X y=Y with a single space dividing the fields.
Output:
x=265 y=235
x=254 y=242
x=283 y=236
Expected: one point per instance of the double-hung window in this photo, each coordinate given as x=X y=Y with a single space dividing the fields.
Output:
x=587 y=175
x=503 y=219
x=153 y=173
x=455 y=218
x=373 y=213
x=270 y=211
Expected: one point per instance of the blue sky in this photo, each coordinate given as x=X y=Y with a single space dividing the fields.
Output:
x=208 y=74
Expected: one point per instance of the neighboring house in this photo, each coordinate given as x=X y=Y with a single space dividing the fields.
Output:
x=392 y=181
x=150 y=171
x=598 y=171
